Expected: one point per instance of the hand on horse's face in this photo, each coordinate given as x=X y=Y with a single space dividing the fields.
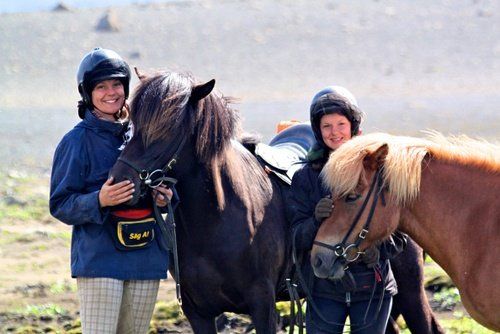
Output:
x=114 y=194
x=371 y=256
x=162 y=195
x=323 y=209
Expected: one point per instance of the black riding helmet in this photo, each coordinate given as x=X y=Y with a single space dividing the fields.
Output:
x=96 y=66
x=334 y=100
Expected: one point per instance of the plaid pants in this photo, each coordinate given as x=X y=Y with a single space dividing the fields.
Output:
x=111 y=306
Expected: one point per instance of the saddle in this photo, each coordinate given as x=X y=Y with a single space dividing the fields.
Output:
x=287 y=151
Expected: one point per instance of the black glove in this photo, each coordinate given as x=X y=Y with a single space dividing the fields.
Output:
x=371 y=256
x=323 y=209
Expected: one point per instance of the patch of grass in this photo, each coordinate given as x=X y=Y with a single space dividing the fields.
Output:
x=19 y=268
x=62 y=287
x=29 y=330
x=43 y=310
x=7 y=237
x=461 y=324
x=447 y=299
x=283 y=308
x=23 y=197
x=169 y=311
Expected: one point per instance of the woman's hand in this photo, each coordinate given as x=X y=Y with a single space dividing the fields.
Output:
x=114 y=194
x=162 y=195
x=323 y=209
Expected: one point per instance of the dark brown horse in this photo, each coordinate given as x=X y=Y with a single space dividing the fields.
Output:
x=443 y=192
x=233 y=237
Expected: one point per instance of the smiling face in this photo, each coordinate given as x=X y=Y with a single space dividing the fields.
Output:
x=108 y=97
x=335 y=130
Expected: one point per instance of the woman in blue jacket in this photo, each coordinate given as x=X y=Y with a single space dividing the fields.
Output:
x=335 y=119
x=117 y=284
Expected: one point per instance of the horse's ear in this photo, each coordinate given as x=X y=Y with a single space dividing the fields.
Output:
x=201 y=91
x=376 y=159
x=139 y=74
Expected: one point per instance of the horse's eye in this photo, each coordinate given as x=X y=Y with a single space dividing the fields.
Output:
x=352 y=198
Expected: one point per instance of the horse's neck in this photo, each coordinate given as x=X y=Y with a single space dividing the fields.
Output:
x=454 y=213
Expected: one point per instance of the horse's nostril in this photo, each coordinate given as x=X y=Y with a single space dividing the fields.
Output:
x=318 y=262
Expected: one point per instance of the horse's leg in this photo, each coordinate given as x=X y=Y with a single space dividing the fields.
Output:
x=262 y=307
x=411 y=299
x=200 y=324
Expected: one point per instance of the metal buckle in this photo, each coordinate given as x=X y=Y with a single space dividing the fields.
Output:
x=362 y=234
x=339 y=250
x=143 y=175
x=149 y=180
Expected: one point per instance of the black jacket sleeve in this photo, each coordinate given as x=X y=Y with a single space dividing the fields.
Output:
x=301 y=203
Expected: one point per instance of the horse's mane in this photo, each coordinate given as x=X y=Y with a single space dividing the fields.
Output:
x=403 y=164
x=161 y=110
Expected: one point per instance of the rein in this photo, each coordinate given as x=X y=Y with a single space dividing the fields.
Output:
x=169 y=241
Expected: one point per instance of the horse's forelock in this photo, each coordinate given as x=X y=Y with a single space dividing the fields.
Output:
x=158 y=106
x=344 y=168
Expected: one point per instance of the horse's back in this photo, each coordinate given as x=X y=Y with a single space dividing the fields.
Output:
x=287 y=151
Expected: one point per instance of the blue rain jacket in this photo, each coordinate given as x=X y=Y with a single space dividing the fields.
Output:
x=81 y=164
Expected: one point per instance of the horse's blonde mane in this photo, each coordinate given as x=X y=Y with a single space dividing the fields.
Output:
x=403 y=164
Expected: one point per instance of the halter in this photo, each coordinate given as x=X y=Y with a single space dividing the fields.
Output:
x=157 y=177
x=343 y=251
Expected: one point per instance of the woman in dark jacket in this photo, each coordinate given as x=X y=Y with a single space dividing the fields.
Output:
x=365 y=294
x=117 y=286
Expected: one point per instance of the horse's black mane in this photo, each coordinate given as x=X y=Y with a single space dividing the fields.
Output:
x=161 y=110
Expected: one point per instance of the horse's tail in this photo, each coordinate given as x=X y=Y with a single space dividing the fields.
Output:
x=250 y=141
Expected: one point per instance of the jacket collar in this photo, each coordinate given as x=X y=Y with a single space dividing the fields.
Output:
x=92 y=122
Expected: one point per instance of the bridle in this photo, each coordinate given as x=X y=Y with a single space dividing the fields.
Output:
x=154 y=178
x=350 y=253
x=342 y=252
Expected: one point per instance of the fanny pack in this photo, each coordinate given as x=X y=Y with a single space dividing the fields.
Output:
x=132 y=229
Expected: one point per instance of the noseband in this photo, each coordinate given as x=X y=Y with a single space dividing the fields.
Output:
x=343 y=251
x=156 y=177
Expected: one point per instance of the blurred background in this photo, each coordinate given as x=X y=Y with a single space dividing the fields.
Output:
x=413 y=65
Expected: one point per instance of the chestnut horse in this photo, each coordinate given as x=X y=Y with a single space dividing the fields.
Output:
x=443 y=192
x=233 y=237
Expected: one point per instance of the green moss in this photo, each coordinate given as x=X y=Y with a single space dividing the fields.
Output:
x=62 y=287
x=170 y=312
x=283 y=308
x=447 y=298
x=28 y=330
x=23 y=197
x=461 y=324
x=43 y=310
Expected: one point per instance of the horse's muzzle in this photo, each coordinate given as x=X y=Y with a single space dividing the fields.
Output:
x=327 y=265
